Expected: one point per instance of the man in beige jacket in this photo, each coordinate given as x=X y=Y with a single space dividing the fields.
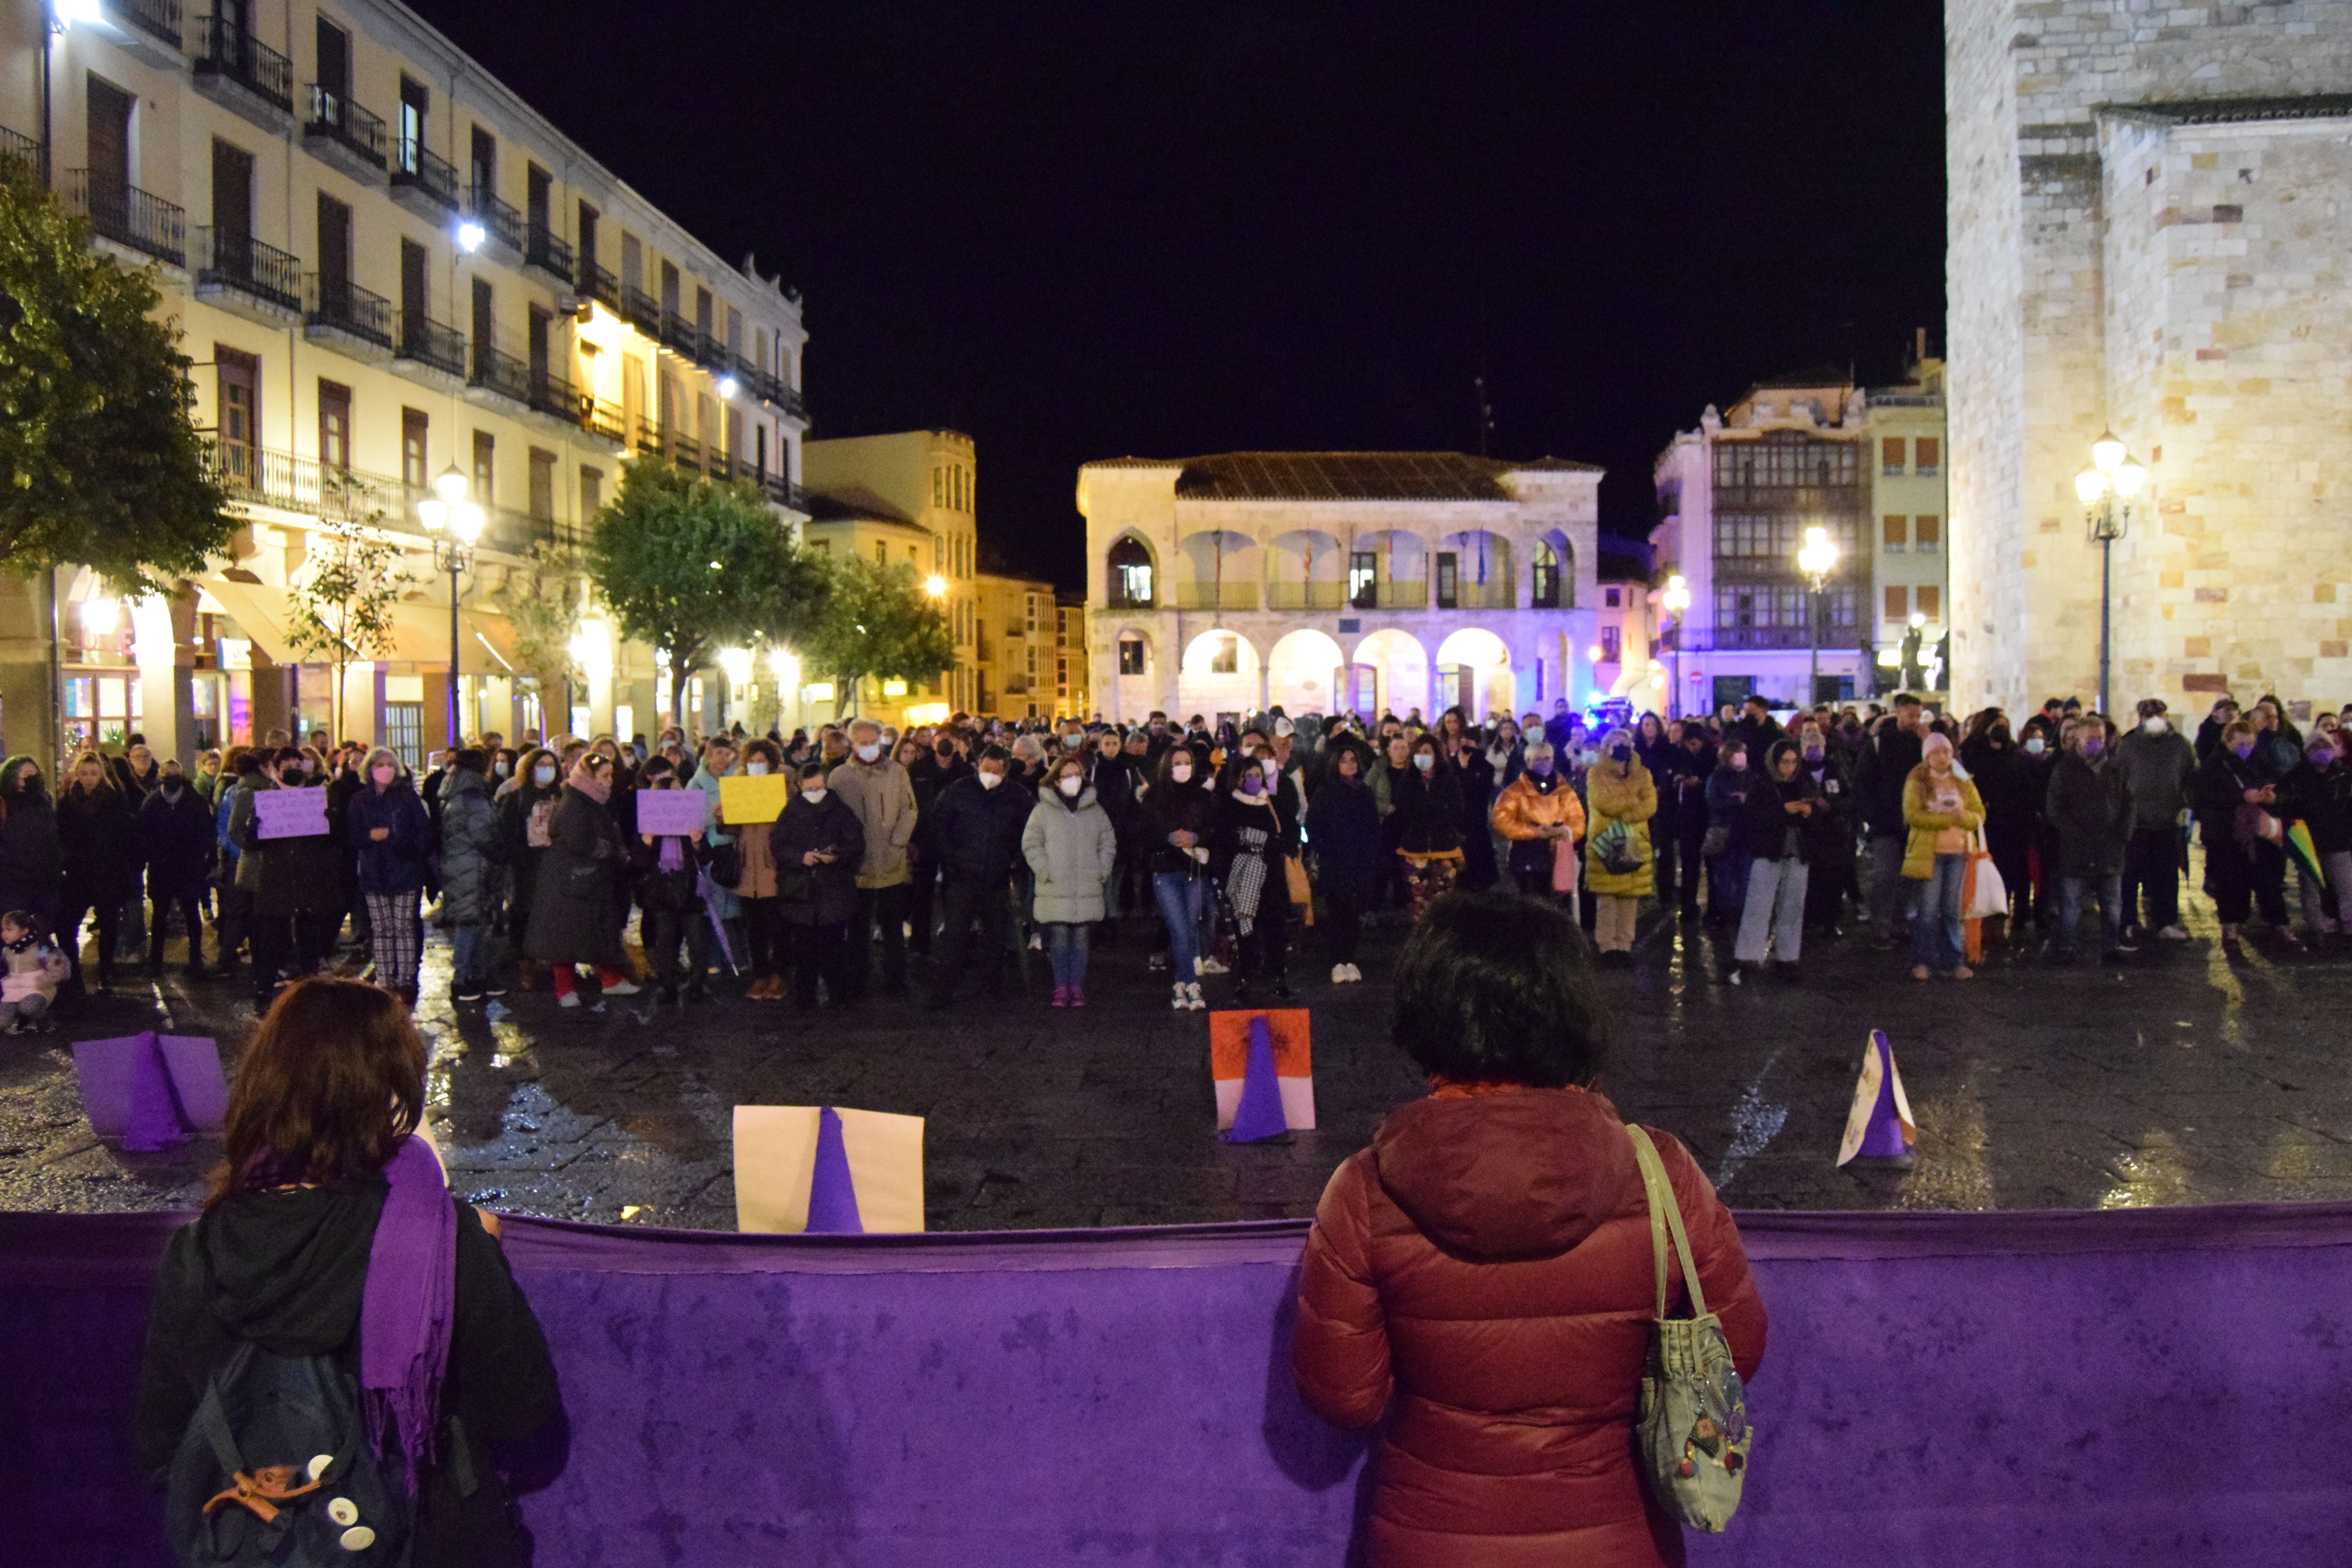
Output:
x=878 y=789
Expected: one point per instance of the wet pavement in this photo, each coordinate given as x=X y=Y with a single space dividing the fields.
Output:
x=2180 y=1079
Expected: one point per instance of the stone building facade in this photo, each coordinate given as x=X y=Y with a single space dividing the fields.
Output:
x=2149 y=232
x=1316 y=581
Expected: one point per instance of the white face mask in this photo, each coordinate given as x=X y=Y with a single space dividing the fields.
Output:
x=544 y=776
x=1071 y=786
x=755 y=768
x=1270 y=767
x=500 y=767
x=2155 y=724
x=989 y=780
x=1179 y=773
x=813 y=797
x=867 y=754
x=1423 y=760
x=2034 y=745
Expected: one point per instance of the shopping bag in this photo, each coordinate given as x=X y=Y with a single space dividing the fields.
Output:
x=1565 y=859
x=1985 y=895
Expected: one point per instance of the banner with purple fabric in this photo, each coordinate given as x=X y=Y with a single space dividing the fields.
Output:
x=2122 y=1388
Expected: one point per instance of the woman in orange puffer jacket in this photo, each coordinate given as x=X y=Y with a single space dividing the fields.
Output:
x=1482 y=1274
x=1536 y=812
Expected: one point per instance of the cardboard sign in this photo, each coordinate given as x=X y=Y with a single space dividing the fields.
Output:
x=1878 y=1124
x=744 y=799
x=1229 y=1049
x=776 y=1149
x=290 y=812
x=683 y=812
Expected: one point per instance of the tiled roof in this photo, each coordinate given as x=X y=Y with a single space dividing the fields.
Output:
x=1345 y=476
x=2225 y=110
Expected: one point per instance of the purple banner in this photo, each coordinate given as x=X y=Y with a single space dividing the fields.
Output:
x=290 y=812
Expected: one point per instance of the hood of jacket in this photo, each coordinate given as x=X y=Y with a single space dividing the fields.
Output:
x=1522 y=1173
x=287 y=1269
x=460 y=782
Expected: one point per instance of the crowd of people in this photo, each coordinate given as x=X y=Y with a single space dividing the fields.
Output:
x=966 y=842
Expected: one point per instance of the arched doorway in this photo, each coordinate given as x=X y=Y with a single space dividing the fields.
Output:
x=1303 y=672
x=1219 y=674
x=1555 y=573
x=1390 y=674
x=1473 y=669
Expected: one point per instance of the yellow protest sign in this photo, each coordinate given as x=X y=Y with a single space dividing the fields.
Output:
x=744 y=799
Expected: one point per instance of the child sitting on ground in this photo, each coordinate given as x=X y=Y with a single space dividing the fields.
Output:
x=36 y=968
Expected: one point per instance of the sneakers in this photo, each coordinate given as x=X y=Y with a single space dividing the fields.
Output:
x=1192 y=999
x=1177 y=1001
x=1921 y=971
x=492 y=988
x=1159 y=963
x=469 y=992
x=1036 y=941
x=1339 y=975
x=1061 y=996
x=624 y=988
x=569 y=999
x=1354 y=974
x=1077 y=995
x=2174 y=933
x=1207 y=965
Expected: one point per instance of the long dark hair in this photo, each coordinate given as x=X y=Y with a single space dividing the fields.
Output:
x=333 y=1079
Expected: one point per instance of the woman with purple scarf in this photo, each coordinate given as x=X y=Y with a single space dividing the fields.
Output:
x=331 y=1231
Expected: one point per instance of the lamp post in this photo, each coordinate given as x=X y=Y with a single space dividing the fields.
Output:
x=1676 y=600
x=2114 y=475
x=455 y=524
x=1816 y=558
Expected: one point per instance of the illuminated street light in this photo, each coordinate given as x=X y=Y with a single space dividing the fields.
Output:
x=727 y=387
x=2114 y=475
x=737 y=663
x=455 y=524
x=99 y=616
x=1676 y=600
x=1816 y=558
x=470 y=235
x=935 y=586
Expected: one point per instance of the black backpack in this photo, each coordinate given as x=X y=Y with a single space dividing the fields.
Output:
x=275 y=1469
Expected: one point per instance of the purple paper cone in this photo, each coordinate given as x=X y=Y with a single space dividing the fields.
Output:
x=1259 y=1114
x=1883 y=1139
x=833 y=1196
x=155 y=1119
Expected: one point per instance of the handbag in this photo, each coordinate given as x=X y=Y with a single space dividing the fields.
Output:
x=1985 y=896
x=1692 y=1433
x=1564 y=862
x=1618 y=851
x=726 y=863
x=1716 y=841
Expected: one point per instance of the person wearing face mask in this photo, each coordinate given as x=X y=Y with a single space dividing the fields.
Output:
x=175 y=842
x=817 y=845
x=932 y=765
x=1345 y=840
x=572 y=919
x=2318 y=794
x=1178 y=818
x=1787 y=823
x=977 y=822
x=2090 y=808
x=1619 y=798
x=1474 y=776
x=1688 y=769
x=1071 y=849
x=526 y=829
x=297 y=895
x=1725 y=846
x=2237 y=816
x=664 y=869
x=758 y=888
x=470 y=874
x=875 y=788
x=1258 y=831
x=1942 y=809
x=1539 y=816
x=1114 y=782
x=388 y=826
x=99 y=833
x=1427 y=821
x=2014 y=792
x=1830 y=878
x=2162 y=767
x=1889 y=755
x=32 y=860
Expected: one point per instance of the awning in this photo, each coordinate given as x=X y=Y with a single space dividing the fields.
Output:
x=260 y=612
x=490 y=641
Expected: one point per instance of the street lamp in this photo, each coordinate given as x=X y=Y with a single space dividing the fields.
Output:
x=935 y=586
x=1676 y=599
x=2113 y=475
x=1816 y=558
x=455 y=524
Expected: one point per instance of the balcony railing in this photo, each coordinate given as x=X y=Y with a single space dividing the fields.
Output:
x=239 y=261
x=502 y=221
x=1306 y=595
x=130 y=216
x=678 y=333
x=20 y=147
x=335 y=118
x=159 y=20
x=1390 y=596
x=263 y=477
x=547 y=251
x=341 y=305
x=498 y=373
x=602 y=419
x=428 y=342
x=415 y=166
x=1832 y=637
x=1493 y=594
x=599 y=285
x=640 y=311
x=551 y=394
x=1216 y=595
x=230 y=52
x=785 y=493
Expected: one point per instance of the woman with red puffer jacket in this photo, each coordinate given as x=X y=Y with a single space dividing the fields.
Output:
x=1482 y=1274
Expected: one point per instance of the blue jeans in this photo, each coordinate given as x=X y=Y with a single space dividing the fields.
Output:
x=466 y=956
x=1181 y=899
x=2108 y=886
x=1066 y=944
x=1936 y=933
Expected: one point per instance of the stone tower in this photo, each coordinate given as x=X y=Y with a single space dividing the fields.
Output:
x=2150 y=228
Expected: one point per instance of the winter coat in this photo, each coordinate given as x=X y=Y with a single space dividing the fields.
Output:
x=396 y=864
x=2162 y=769
x=1428 y=811
x=820 y=894
x=1113 y=779
x=32 y=857
x=100 y=835
x=1611 y=798
x=470 y=830
x=2090 y=807
x=1169 y=808
x=175 y=842
x=1477 y=778
x=1925 y=823
x=674 y=889
x=1882 y=773
x=2013 y=791
x=1482 y=1275
x=978 y=829
x=885 y=804
x=1769 y=826
x=1071 y=847
x=288 y=876
x=2222 y=779
x=36 y=969
x=287 y=1269
x=1343 y=829
x=575 y=907
x=1726 y=806
x=1525 y=808
x=756 y=855
x=2322 y=801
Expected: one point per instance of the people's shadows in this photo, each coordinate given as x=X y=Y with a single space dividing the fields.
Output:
x=1305 y=1448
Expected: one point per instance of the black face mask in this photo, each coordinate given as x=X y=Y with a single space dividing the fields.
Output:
x=1621 y=754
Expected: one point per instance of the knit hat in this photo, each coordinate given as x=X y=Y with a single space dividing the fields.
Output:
x=1936 y=741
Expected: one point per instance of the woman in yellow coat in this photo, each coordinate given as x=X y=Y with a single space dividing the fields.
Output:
x=1618 y=794
x=1941 y=808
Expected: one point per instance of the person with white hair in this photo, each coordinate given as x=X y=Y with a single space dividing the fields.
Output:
x=1537 y=813
x=1620 y=800
x=873 y=784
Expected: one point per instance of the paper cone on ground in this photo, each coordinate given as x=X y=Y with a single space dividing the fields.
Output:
x=1879 y=1125
x=1258 y=1114
x=1290 y=1050
x=791 y=1176
x=151 y=1093
x=193 y=1061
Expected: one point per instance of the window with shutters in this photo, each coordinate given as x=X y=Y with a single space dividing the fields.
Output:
x=1931 y=601
x=414 y=425
x=1898 y=604
x=1890 y=455
x=1929 y=532
x=1894 y=533
x=1927 y=457
x=485 y=467
x=542 y=485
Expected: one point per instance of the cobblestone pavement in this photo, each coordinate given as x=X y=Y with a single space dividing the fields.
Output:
x=2181 y=1078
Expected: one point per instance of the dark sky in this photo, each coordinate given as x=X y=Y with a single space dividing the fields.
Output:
x=1090 y=230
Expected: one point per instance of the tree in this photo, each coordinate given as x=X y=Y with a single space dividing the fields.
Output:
x=540 y=600
x=879 y=623
x=101 y=464
x=341 y=606
x=690 y=566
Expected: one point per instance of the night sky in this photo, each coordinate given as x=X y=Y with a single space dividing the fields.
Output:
x=1089 y=231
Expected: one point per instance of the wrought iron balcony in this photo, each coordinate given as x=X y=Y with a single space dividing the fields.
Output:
x=259 y=476
x=640 y=309
x=500 y=373
x=785 y=493
x=428 y=178
x=602 y=419
x=241 y=265
x=23 y=149
x=551 y=394
x=345 y=132
x=547 y=251
x=426 y=341
x=159 y=20
x=338 y=306
x=599 y=285
x=129 y=216
x=501 y=222
x=678 y=333
x=225 y=52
